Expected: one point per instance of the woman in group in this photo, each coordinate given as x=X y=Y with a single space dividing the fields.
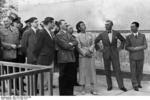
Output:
x=87 y=72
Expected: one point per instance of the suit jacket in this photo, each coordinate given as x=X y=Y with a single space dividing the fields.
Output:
x=65 y=51
x=110 y=49
x=132 y=41
x=45 y=48
x=28 y=44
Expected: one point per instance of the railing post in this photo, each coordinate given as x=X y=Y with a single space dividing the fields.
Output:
x=14 y=82
x=2 y=81
x=9 y=82
x=28 y=84
x=20 y=84
x=34 y=85
x=31 y=85
x=50 y=82
x=41 y=84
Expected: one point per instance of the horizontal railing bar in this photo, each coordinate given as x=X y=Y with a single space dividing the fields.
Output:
x=23 y=65
x=21 y=74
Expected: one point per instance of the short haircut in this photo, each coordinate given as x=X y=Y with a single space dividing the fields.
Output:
x=57 y=23
x=136 y=24
x=110 y=22
x=78 y=26
x=32 y=19
x=60 y=21
x=48 y=20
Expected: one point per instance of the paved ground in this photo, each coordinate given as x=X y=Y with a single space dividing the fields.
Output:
x=102 y=88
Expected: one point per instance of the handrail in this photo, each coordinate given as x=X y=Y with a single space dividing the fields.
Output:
x=23 y=65
x=30 y=73
x=21 y=74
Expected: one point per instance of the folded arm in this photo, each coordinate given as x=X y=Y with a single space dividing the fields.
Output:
x=61 y=42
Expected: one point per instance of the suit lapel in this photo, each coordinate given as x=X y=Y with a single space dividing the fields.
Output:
x=113 y=36
x=107 y=37
x=48 y=35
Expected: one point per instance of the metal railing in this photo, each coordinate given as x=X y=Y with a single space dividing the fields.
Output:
x=26 y=74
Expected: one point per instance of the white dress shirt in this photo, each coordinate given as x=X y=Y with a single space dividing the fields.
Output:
x=33 y=29
x=136 y=34
x=110 y=36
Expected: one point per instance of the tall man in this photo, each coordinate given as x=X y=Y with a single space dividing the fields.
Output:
x=136 y=44
x=29 y=40
x=44 y=50
x=66 y=59
x=110 y=53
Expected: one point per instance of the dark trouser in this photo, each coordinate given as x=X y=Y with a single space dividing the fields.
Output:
x=116 y=68
x=66 y=78
x=20 y=59
x=136 y=67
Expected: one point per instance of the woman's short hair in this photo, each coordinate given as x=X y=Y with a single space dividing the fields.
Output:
x=78 y=26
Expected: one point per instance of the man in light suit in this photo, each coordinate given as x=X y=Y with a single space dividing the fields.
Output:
x=136 y=44
x=110 y=53
x=66 y=58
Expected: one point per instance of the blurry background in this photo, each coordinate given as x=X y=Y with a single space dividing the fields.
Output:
x=93 y=12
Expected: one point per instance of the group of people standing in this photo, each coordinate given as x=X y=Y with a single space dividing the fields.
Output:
x=57 y=43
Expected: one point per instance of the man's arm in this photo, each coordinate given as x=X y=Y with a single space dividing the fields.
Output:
x=5 y=44
x=61 y=42
x=24 y=42
x=122 y=39
x=73 y=41
x=128 y=44
x=98 y=38
x=144 y=46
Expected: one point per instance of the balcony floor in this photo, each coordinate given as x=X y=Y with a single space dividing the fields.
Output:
x=102 y=88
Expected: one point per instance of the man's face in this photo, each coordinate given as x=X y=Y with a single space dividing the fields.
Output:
x=35 y=23
x=7 y=22
x=64 y=25
x=51 y=25
x=70 y=29
x=134 y=28
x=108 y=25
x=28 y=24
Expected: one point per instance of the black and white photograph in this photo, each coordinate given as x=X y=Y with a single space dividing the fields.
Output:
x=74 y=48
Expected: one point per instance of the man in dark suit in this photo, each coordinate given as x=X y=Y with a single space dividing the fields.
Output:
x=29 y=40
x=45 y=46
x=66 y=58
x=110 y=53
x=136 y=44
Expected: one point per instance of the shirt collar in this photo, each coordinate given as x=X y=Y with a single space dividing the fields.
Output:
x=137 y=33
x=110 y=31
x=33 y=29
x=47 y=30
